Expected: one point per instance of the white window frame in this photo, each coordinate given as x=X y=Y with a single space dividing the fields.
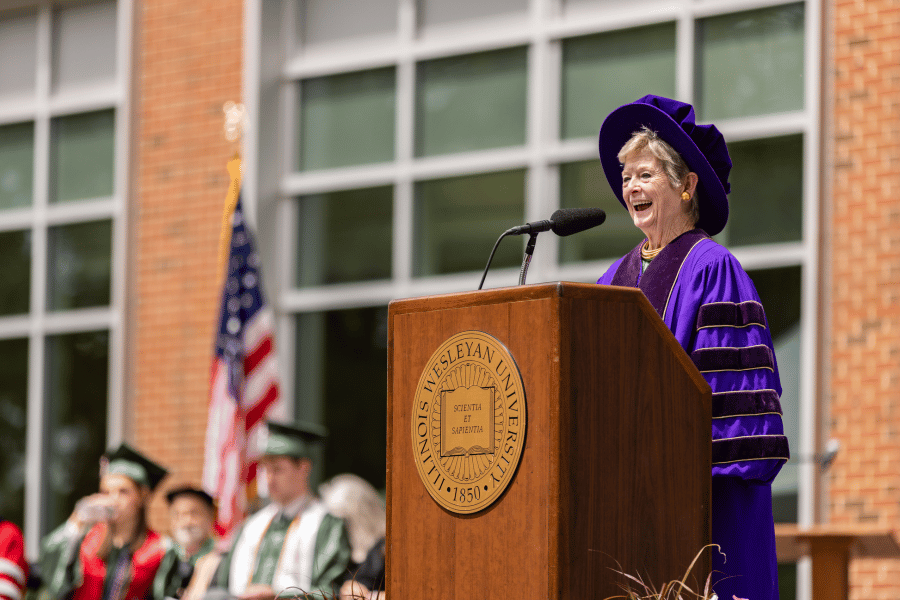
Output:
x=40 y=322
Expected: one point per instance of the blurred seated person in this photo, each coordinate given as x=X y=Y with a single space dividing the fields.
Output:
x=191 y=516
x=355 y=501
x=105 y=550
x=292 y=546
x=13 y=567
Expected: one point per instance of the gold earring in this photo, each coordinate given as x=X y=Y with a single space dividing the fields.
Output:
x=685 y=196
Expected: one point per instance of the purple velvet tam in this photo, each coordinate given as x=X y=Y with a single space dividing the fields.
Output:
x=702 y=147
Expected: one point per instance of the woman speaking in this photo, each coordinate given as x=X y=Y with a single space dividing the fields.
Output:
x=672 y=176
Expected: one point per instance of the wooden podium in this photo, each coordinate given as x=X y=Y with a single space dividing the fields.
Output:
x=616 y=462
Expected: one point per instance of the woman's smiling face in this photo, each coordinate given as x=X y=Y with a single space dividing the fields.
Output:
x=654 y=205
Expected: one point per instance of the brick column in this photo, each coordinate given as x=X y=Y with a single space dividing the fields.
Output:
x=863 y=170
x=187 y=64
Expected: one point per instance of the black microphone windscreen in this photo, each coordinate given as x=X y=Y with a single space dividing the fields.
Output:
x=567 y=221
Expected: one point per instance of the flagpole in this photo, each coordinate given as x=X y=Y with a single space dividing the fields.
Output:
x=234 y=125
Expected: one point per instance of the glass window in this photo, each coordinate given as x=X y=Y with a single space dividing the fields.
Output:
x=15 y=286
x=82 y=156
x=779 y=290
x=13 y=421
x=75 y=414
x=787 y=581
x=16 y=164
x=345 y=236
x=604 y=71
x=342 y=382
x=440 y=12
x=78 y=265
x=323 y=22
x=347 y=119
x=457 y=221
x=766 y=200
x=84 y=52
x=583 y=184
x=18 y=47
x=750 y=63
x=471 y=102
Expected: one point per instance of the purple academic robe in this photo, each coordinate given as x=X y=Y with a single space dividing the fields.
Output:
x=709 y=303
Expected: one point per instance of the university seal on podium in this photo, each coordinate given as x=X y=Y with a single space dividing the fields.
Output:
x=468 y=426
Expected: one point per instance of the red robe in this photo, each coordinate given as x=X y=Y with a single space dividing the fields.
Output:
x=139 y=579
x=13 y=568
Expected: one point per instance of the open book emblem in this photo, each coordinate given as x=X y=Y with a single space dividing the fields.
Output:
x=467 y=420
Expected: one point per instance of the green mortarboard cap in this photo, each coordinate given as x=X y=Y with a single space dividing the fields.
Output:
x=127 y=461
x=295 y=440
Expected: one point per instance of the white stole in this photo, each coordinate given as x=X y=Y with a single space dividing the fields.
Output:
x=295 y=564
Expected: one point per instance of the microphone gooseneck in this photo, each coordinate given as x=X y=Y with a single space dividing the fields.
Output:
x=530 y=228
x=565 y=221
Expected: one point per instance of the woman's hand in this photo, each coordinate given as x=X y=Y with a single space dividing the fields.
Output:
x=91 y=510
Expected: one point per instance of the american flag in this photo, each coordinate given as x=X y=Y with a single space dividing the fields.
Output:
x=244 y=381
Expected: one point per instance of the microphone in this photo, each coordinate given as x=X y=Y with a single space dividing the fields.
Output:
x=565 y=221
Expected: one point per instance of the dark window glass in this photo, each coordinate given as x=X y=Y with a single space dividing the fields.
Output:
x=787 y=581
x=459 y=219
x=766 y=200
x=342 y=382
x=603 y=71
x=13 y=422
x=75 y=419
x=79 y=265
x=345 y=236
x=750 y=63
x=82 y=164
x=15 y=287
x=16 y=164
x=347 y=119
x=471 y=102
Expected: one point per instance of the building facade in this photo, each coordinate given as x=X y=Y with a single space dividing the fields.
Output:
x=389 y=143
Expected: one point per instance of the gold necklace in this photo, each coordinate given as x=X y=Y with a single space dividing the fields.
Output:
x=647 y=253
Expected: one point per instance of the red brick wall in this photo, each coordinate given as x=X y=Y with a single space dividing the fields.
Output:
x=187 y=64
x=863 y=382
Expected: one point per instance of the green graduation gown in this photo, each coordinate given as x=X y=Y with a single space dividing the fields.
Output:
x=308 y=552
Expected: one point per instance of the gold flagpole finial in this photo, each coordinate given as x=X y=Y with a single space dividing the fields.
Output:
x=235 y=123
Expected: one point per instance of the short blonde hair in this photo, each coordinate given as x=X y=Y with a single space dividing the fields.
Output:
x=673 y=164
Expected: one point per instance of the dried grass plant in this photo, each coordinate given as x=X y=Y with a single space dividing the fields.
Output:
x=677 y=589
x=634 y=589
x=347 y=592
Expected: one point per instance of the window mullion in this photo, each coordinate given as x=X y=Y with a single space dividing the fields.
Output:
x=34 y=482
x=684 y=56
x=543 y=105
x=404 y=133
